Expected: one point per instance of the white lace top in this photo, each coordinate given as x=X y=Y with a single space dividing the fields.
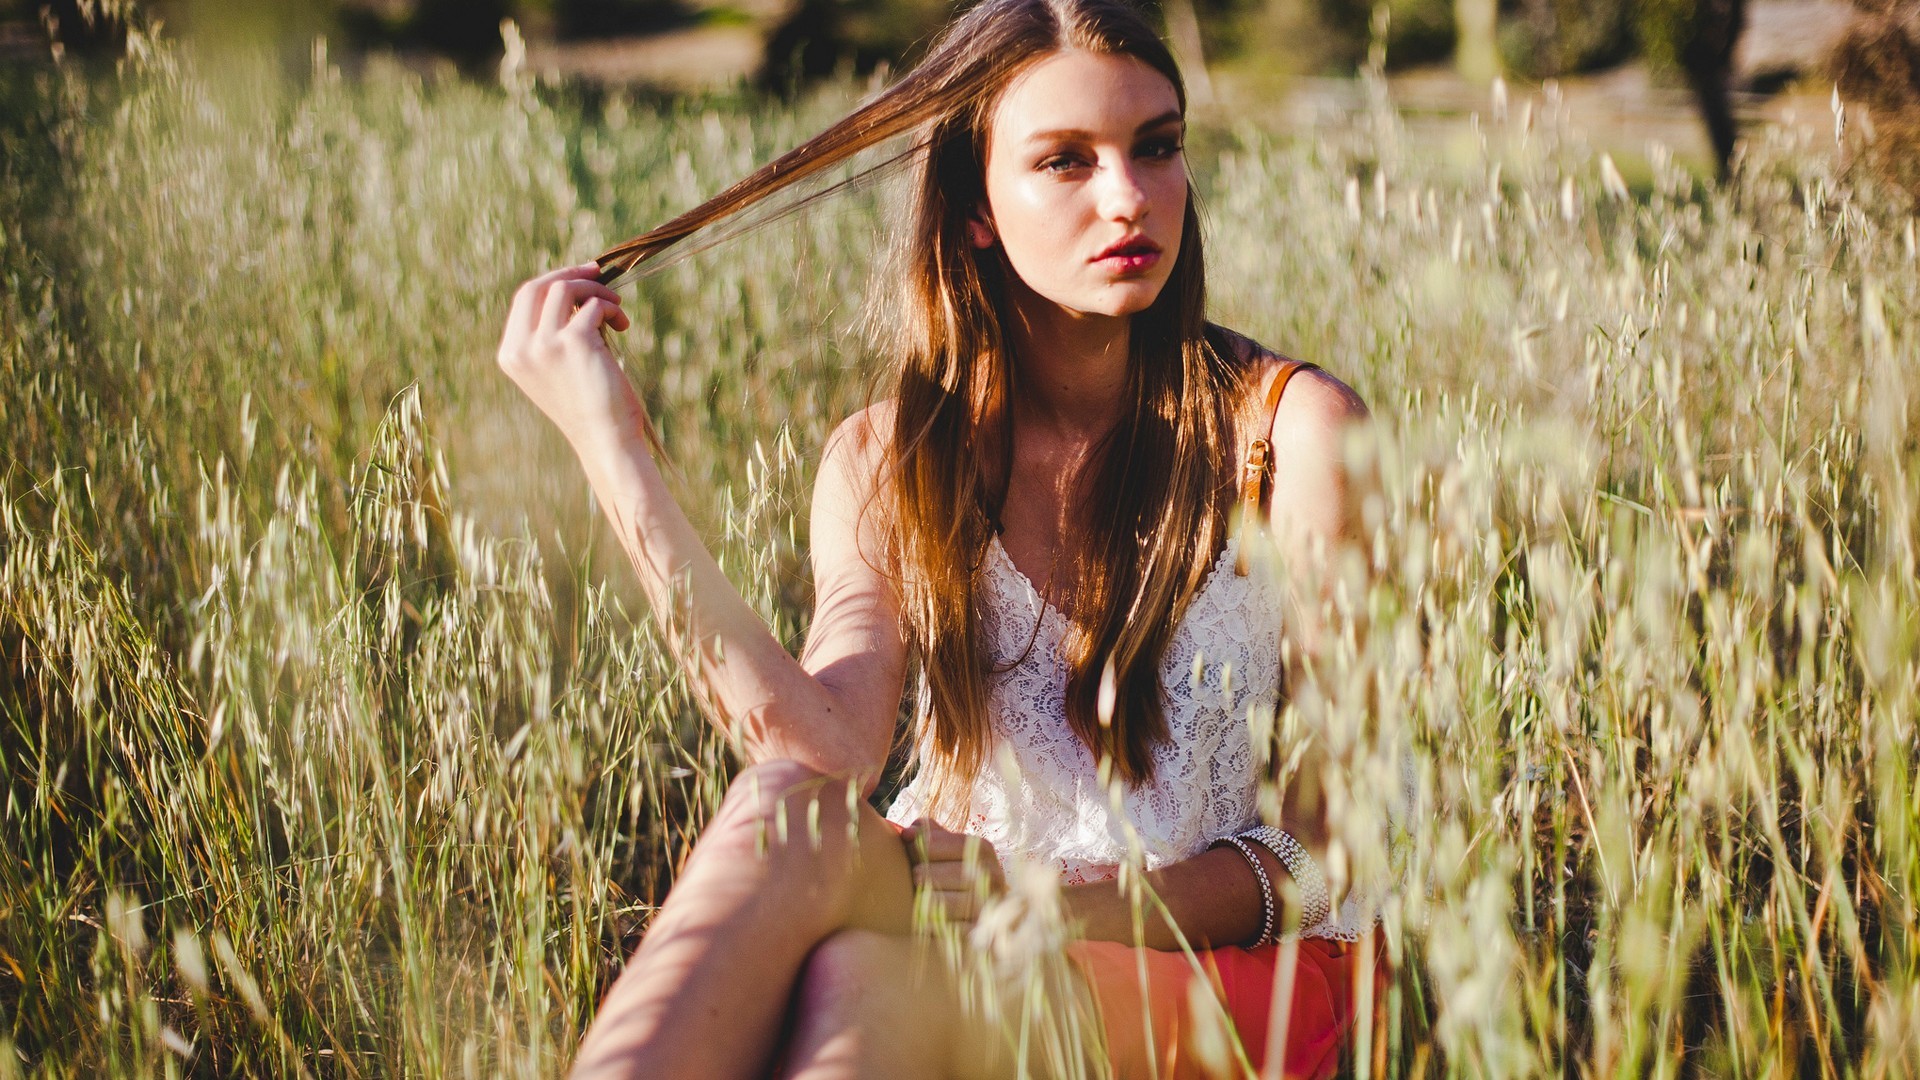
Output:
x=1040 y=798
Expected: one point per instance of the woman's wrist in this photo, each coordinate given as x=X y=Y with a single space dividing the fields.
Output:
x=1269 y=901
x=1096 y=911
x=1211 y=900
x=621 y=463
x=610 y=439
x=1306 y=901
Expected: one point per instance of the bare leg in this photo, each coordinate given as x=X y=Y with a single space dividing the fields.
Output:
x=872 y=1005
x=783 y=865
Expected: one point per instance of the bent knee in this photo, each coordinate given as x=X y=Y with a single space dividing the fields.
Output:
x=851 y=966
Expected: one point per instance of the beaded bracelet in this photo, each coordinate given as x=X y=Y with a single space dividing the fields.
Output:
x=1315 y=904
x=1266 y=888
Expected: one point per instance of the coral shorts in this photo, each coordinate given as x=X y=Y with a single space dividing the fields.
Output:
x=1162 y=1021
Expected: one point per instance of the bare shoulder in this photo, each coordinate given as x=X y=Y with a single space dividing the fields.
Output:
x=1316 y=412
x=1317 y=408
x=848 y=512
x=858 y=445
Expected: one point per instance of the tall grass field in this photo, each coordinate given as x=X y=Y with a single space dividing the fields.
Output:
x=337 y=742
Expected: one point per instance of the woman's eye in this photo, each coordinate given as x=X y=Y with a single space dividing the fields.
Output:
x=1062 y=163
x=1161 y=148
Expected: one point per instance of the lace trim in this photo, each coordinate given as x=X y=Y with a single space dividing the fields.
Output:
x=1053 y=617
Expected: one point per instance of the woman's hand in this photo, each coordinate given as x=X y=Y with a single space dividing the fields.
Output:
x=552 y=349
x=959 y=873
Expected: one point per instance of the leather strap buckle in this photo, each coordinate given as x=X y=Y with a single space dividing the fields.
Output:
x=1260 y=463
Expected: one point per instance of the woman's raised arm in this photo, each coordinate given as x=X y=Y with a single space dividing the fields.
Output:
x=834 y=709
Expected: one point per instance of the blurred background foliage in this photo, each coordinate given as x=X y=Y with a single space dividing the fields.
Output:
x=1260 y=45
x=1536 y=38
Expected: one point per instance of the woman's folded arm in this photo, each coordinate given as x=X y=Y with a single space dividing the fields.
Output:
x=1213 y=898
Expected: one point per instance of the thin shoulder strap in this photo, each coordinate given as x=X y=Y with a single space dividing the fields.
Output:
x=1256 y=474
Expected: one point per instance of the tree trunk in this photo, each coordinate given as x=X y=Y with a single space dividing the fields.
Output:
x=1183 y=32
x=1476 y=51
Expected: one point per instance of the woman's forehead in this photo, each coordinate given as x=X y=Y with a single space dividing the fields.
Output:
x=1074 y=92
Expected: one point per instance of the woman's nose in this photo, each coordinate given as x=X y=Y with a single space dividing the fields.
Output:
x=1122 y=196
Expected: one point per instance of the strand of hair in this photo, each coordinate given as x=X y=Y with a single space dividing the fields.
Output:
x=895 y=112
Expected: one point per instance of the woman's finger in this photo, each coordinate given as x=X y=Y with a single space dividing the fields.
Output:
x=940 y=845
x=928 y=844
x=528 y=298
x=594 y=311
x=576 y=292
x=951 y=874
x=564 y=297
x=915 y=839
x=956 y=906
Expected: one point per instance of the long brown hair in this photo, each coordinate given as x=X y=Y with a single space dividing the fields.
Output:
x=1162 y=478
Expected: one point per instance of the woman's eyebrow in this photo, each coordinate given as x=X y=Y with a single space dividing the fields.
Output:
x=1171 y=116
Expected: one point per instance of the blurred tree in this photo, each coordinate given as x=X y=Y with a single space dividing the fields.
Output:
x=1189 y=51
x=1877 y=65
x=78 y=26
x=819 y=37
x=601 y=18
x=1547 y=38
x=251 y=22
x=89 y=26
x=467 y=30
x=1266 y=42
x=1261 y=38
x=1695 y=39
x=1418 y=31
x=1476 y=50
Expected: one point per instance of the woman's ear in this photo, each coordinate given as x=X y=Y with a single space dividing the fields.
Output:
x=980 y=228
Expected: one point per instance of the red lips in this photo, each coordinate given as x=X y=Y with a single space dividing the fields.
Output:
x=1129 y=247
x=1132 y=255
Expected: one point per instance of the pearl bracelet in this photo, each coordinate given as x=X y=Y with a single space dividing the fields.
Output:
x=1266 y=888
x=1315 y=903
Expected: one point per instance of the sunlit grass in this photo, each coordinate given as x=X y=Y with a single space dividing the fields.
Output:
x=335 y=742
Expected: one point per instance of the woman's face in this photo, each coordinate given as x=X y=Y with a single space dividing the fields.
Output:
x=1086 y=185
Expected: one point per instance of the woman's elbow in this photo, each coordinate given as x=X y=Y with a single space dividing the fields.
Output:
x=860 y=760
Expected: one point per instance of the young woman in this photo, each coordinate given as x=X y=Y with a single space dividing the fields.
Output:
x=1038 y=524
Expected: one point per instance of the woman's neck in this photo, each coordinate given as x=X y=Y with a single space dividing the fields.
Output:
x=1070 y=368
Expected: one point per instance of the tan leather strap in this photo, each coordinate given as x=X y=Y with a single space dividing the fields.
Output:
x=1257 y=472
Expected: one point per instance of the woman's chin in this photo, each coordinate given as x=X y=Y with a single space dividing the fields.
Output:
x=1112 y=300
x=1121 y=299
x=1133 y=300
